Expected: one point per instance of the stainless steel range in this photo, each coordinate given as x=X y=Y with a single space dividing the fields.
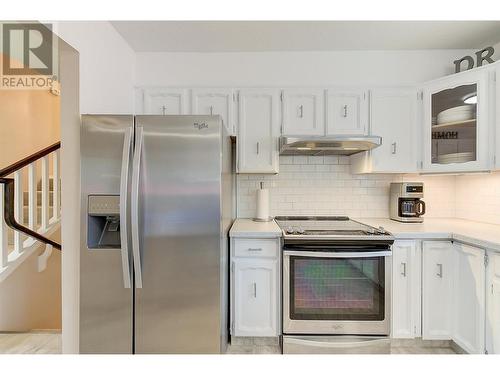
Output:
x=336 y=285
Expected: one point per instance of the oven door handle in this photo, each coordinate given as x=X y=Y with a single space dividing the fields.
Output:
x=324 y=254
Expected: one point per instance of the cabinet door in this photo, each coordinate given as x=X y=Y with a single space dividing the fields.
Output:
x=214 y=102
x=393 y=116
x=346 y=112
x=255 y=297
x=164 y=101
x=468 y=306
x=493 y=304
x=405 y=290
x=456 y=123
x=258 y=130
x=437 y=290
x=303 y=112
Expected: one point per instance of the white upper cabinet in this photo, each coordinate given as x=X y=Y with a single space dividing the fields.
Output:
x=393 y=116
x=456 y=123
x=493 y=303
x=214 y=102
x=258 y=131
x=469 y=299
x=405 y=290
x=437 y=284
x=303 y=112
x=167 y=101
x=346 y=112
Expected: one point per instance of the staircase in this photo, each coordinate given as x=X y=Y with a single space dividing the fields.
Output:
x=29 y=218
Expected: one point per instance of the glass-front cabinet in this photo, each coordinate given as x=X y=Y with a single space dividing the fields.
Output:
x=456 y=123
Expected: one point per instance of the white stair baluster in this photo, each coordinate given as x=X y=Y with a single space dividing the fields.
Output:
x=3 y=231
x=55 y=186
x=31 y=201
x=18 y=209
x=45 y=194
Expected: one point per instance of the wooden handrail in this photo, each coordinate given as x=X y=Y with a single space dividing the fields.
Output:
x=10 y=219
x=29 y=159
x=9 y=216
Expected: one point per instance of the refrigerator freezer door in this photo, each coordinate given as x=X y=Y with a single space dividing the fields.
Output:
x=178 y=308
x=106 y=305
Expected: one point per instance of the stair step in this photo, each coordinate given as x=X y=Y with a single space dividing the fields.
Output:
x=51 y=184
x=38 y=198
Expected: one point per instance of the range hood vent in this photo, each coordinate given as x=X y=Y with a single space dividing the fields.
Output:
x=328 y=145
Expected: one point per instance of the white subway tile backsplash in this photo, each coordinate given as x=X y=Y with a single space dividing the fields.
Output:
x=478 y=197
x=315 y=185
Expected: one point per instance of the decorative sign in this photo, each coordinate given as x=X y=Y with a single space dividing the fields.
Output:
x=481 y=56
x=444 y=135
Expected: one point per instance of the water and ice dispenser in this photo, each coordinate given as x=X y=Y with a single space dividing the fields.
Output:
x=103 y=222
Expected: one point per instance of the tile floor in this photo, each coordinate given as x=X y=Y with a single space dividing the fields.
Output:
x=43 y=342
x=35 y=342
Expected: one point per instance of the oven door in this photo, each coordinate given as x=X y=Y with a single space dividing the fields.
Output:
x=334 y=293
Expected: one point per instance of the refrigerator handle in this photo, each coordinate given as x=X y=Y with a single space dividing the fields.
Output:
x=127 y=143
x=136 y=165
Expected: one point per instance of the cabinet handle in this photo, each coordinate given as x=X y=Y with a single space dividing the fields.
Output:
x=403 y=273
x=163 y=109
x=440 y=270
x=258 y=146
x=211 y=110
x=345 y=110
x=255 y=290
x=394 y=147
x=255 y=249
x=301 y=111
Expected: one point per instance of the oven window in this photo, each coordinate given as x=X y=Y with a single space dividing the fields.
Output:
x=337 y=288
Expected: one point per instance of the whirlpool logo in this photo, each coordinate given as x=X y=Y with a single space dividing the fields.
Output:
x=200 y=125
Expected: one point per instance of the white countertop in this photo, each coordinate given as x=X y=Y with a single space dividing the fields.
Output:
x=248 y=228
x=466 y=231
x=470 y=232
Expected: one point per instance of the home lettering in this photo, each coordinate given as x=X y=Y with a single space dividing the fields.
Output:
x=481 y=56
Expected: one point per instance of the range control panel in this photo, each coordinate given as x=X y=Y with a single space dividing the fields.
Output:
x=104 y=205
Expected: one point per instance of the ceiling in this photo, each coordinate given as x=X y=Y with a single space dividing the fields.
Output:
x=241 y=36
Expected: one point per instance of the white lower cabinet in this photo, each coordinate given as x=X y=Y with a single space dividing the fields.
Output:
x=406 y=290
x=493 y=303
x=255 y=289
x=437 y=284
x=469 y=298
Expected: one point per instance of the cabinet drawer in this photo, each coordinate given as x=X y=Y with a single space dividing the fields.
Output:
x=255 y=248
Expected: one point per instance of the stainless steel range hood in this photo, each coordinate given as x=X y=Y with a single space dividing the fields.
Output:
x=327 y=145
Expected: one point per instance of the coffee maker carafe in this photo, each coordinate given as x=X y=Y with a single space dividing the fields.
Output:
x=406 y=204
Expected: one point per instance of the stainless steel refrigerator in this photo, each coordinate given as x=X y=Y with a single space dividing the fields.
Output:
x=156 y=208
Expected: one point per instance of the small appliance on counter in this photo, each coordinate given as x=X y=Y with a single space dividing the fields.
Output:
x=406 y=204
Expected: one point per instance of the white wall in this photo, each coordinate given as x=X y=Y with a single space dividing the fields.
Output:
x=30 y=299
x=294 y=68
x=70 y=195
x=107 y=66
x=478 y=197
